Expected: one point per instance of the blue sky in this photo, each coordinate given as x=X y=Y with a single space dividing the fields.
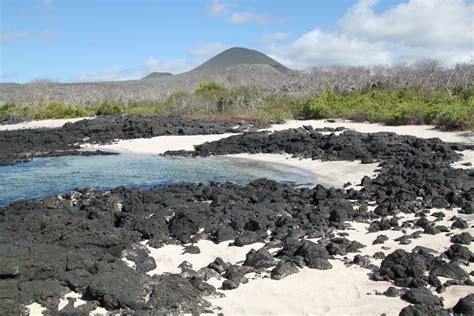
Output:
x=93 y=40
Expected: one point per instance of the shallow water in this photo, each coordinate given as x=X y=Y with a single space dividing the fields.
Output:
x=47 y=176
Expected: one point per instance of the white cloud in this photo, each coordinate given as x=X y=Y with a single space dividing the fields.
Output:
x=323 y=48
x=406 y=32
x=240 y=17
x=10 y=36
x=218 y=8
x=431 y=23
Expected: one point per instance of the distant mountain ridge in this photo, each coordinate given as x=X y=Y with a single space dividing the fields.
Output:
x=235 y=56
x=155 y=75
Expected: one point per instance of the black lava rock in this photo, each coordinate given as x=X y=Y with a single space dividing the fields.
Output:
x=458 y=252
x=260 y=259
x=315 y=256
x=380 y=239
x=392 y=292
x=422 y=309
x=465 y=306
x=282 y=270
x=448 y=270
x=421 y=296
x=194 y=250
x=401 y=265
x=462 y=238
x=229 y=285
x=459 y=223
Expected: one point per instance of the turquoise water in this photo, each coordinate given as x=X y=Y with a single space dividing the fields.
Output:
x=48 y=176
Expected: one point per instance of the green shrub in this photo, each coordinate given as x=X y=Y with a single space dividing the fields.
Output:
x=108 y=108
x=446 y=109
x=209 y=88
x=12 y=112
x=275 y=109
x=404 y=106
x=57 y=110
x=464 y=93
x=457 y=116
x=324 y=106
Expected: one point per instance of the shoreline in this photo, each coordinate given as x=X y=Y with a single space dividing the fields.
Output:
x=327 y=173
x=347 y=287
x=157 y=145
x=160 y=144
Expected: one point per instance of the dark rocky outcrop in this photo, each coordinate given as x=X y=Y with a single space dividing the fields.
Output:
x=423 y=309
x=465 y=306
x=23 y=145
x=421 y=296
x=462 y=238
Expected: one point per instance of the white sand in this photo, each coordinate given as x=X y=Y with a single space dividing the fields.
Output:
x=468 y=156
x=76 y=296
x=169 y=257
x=341 y=290
x=422 y=131
x=40 y=124
x=158 y=145
x=439 y=242
x=100 y=311
x=327 y=173
x=129 y=263
x=35 y=309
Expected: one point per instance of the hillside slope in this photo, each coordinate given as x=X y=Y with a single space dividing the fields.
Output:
x=237 y=56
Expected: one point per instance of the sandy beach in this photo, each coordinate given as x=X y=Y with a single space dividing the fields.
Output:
x=421 y=131
x=339 y=291
x=327 y=173
x=40 y=124
x=157 y=145
x=342 y=290
x=160 y=144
